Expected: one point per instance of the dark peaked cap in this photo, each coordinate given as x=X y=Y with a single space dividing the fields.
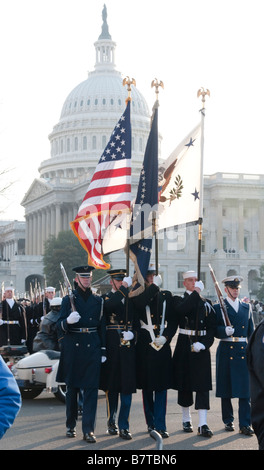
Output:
x=83 y=270
x=117 y=274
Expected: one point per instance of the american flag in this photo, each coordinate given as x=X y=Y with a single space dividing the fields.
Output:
x=108 y=194
x=146 y=201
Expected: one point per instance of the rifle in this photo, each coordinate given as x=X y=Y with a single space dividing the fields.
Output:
x=68 y=286
x=220 y=298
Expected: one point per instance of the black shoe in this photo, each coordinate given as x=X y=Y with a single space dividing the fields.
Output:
x=71 y=432
x=164 y=434
x=125 y=434
x=187 y=426
x=230 y=427
x=204 y=431
x=112 y=429
x=89 y=437
x=247 y=431
x=151 y=428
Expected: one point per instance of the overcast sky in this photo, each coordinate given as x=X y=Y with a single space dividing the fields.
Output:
x=47 y=48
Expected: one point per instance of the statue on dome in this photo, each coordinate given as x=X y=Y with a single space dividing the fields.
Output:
x=105 y=33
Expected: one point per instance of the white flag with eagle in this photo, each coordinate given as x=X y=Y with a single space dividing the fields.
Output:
x=179 y=183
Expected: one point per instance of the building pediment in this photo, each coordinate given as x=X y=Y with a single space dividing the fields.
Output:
x=38 y=188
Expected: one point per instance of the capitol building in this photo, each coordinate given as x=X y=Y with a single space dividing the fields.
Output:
x=233 y=219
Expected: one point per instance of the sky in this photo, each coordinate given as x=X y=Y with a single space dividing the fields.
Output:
x=48 y=49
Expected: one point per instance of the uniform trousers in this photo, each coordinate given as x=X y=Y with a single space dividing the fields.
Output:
x=185 y=399
x=112 y=405
x=89 y=408
x=155 y=405
x=244 y=417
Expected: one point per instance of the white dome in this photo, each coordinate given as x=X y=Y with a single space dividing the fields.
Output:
x=102 y=93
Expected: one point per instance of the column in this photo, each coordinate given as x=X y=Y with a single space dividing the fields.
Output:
x=219 y=225
x=261 y=226
x=43 y=230
x=240 y=225
x=34 y=234
x=39 y=233
x=58 y=219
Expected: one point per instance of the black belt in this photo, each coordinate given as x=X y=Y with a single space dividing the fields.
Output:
x=83 y=330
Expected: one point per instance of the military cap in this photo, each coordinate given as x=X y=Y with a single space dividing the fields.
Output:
x=117 y=274
x=56 y=302
x=233 y=281
x=83 y=271
x=189 y=274
x=50 y=289
x=9 y=288
x=152 y=268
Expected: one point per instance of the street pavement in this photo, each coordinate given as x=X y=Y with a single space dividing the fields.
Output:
x=40 y=425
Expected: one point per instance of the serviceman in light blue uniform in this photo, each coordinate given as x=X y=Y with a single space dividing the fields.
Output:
x=232 y=376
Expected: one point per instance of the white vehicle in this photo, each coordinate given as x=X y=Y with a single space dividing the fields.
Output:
x=37 y=372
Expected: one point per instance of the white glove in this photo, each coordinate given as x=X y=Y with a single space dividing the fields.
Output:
x=128 y=335
x=23 y=341
x=103 y=359
x=74 y=317
x=1 y=321
x=200 y=285
x=157 y=280
x=128 y=280
x=197 y=347
x=229 y=330
x=160 y=340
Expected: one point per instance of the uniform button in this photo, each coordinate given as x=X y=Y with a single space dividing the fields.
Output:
x=231 y=358
x=77 y=344
x=90 y=318
x=231 y=347
x=242 y=357
x=88 y=345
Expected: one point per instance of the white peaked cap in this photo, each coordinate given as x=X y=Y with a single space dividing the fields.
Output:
x=188 y=274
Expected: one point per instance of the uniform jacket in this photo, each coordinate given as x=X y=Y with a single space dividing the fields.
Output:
x=10 y=398
x=17 y=331
x=118 y=373
x=47 y=337
x=191 y=370
x=153 y=367
x=80 y=359
x=232 y=379
x=255 y=359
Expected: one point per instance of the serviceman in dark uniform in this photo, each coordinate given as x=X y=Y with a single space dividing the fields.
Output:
x=13 y=323
x=232 y=377
x=47 y=336
x=40 y=309
x=118 y=373
x=196 y=319
x=153 y=358
x=81 y=333
x=255 y=360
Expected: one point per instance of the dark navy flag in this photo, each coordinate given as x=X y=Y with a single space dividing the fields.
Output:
x=146 y=202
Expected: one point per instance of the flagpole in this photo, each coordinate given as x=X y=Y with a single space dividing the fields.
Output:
x=127 y=81
x=155 y=83
x=201 y=92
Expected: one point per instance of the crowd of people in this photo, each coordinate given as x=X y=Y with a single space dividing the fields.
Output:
x=120 y=342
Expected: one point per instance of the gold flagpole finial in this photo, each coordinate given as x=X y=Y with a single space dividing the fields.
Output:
x=128 y=82
x=155 y=83
x=202 y=92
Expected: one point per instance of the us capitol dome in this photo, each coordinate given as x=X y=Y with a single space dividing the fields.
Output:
x=89 y=115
